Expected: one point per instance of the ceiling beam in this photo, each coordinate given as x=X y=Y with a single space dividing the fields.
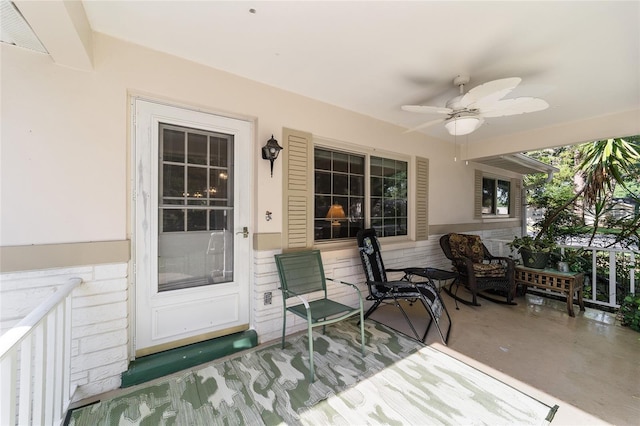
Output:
x=63 y=29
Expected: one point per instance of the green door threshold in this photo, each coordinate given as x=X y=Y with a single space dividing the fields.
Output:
x=164 y=363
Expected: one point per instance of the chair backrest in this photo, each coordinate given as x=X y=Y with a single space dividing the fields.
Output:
x=301 y=272
x=369 y=249
x=456 y=246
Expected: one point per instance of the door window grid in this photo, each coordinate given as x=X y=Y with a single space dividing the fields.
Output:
x=195 y=170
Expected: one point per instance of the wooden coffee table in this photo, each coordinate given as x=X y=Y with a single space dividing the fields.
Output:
x=566 y=283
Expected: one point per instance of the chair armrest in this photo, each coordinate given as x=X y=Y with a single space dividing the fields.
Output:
x=345 y=283
x=289 y=293
x=397 y=284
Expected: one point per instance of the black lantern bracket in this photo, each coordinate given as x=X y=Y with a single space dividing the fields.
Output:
x=271 y=151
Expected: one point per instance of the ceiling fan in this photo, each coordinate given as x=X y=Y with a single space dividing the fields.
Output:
x=466 y=112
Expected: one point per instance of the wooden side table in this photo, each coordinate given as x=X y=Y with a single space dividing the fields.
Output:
x=566 y=283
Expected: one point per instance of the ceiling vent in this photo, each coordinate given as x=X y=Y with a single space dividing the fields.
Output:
x=16 y=31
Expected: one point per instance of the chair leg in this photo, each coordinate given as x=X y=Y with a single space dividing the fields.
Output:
x=361 y=327
x=397 y=303
x=284 y=327
x=310 y=333
x=372 y=308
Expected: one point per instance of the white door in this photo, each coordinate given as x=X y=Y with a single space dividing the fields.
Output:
x=192 y=210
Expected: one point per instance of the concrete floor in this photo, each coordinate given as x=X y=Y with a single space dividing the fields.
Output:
x=588 y=365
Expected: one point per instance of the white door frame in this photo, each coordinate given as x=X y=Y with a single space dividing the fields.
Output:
x=217 y=309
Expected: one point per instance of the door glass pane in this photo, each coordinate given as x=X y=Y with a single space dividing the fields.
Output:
x=195 y=244
x=197 y=149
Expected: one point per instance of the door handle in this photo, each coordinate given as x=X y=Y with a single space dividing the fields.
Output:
x=244 y=232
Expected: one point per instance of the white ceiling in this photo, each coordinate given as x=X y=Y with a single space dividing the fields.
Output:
x=373 y=57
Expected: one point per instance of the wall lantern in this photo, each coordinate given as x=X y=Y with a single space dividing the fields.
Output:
x=270 y=151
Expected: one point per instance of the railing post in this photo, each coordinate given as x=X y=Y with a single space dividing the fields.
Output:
x=594 y=275
x=632 y=273
x=613 y=282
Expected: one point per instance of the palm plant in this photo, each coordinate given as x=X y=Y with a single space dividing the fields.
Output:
x=604 y=164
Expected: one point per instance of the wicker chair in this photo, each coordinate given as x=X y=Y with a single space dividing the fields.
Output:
x=478 y=269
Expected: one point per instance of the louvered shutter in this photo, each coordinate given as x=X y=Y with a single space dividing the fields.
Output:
x=297 y=189
x=422 y=198
x=477 y=194
x=515 y=197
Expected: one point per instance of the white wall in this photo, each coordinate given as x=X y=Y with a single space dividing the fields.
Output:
x=65 y=138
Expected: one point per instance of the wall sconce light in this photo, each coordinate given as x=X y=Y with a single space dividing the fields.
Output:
x=270 y=151
x=335 y=213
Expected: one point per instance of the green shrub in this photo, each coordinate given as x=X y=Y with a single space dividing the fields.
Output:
x=630 y=311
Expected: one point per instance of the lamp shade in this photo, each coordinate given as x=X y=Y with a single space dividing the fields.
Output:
x=336 y=211
x=463 y=125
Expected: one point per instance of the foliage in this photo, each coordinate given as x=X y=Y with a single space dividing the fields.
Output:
x=591 y=174
x=630 y=311
x=538 y=245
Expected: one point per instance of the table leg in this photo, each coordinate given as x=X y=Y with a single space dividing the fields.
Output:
x=570 y=301
x=580 y=301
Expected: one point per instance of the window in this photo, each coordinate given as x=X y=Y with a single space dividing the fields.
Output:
x=329 y=194
x=340 y=210
x=496 y=196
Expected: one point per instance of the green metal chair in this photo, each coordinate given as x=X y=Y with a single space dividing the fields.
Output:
x=301 y=273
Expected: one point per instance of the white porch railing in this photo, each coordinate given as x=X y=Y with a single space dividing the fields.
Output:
x=612 y=261
x=35 y=363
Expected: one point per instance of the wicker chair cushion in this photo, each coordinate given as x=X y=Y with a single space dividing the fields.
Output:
x=470 y=246
x=489 y=270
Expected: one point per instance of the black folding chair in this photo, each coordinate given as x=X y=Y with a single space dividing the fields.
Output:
x=381 y=290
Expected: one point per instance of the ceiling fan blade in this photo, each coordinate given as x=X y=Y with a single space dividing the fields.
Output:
x=507 y=107
x=425 y=125
x=490 y=91
x=426 y=109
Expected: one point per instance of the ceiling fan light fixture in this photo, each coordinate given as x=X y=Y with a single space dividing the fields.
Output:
x=463 y=125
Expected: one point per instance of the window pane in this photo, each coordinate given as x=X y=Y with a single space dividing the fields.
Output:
x=321 y=205
x=322 y=159
x=196 y=220
x=173 y=145
x=340 y=162
x=172 y=220
x=356 y=185
x=173 y=181
x=488 y=193
x=502 y=197
x=389 y=167
x=197 y=149
x=376 y=186
x=217 y=220
x=218 y=182
x=197 y=182
x=356 y=206
x=219 y=148
x=340 y=184
x=376 y=166
x=376 y=207
x=323 y=183
x=357 y=165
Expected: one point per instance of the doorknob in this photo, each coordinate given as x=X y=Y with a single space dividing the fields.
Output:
x=245 y=232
